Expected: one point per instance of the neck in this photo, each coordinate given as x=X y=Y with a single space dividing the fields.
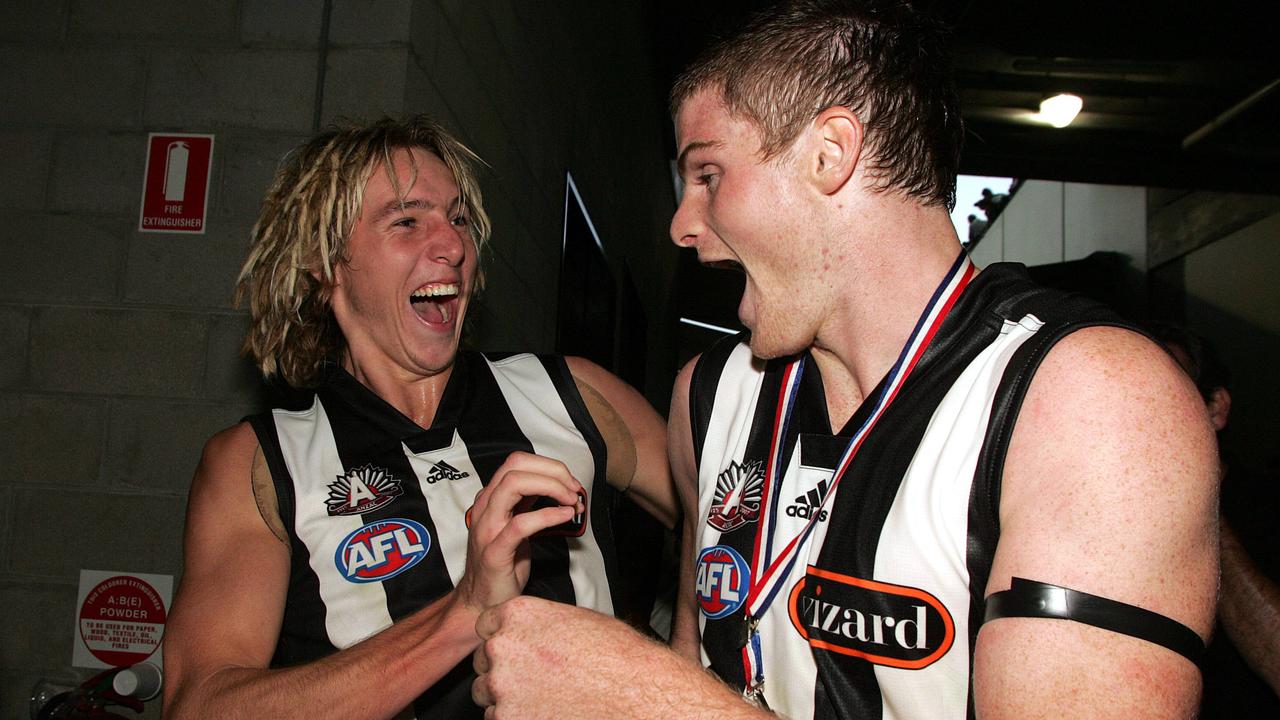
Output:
x=416 y=397
x=890 y=279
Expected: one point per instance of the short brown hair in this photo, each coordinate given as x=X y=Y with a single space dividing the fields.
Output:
x=882 y=60
x=302 y=231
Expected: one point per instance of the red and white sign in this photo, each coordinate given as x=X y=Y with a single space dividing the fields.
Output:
x=121 y=618
x=175 y=190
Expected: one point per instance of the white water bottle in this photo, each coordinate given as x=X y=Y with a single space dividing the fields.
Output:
x=142 y=681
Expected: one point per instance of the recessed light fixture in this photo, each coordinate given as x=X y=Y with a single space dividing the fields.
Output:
x=1060 y=109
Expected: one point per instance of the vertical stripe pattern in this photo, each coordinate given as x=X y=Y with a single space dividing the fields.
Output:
x=358 y=568
x=875 y=621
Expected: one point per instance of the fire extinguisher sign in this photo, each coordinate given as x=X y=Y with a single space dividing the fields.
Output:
x=121 y=618
x=175 y=190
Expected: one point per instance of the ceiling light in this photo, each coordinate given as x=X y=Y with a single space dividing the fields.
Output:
x=1060 y=109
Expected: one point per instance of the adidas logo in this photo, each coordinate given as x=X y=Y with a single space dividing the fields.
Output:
x=807 y=504
x=444 y=471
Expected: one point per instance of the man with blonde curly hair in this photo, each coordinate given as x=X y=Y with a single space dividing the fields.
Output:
x=336 y=558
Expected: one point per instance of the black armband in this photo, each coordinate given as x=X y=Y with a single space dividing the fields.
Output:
x=1032 y=599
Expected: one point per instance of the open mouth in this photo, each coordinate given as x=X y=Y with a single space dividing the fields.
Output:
x=725 y=265
x=435 y=303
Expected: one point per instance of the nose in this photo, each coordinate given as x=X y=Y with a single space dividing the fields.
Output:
x=448 y=243
x=686 y=225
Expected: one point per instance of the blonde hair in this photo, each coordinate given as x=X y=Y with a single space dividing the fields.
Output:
x=302 y=231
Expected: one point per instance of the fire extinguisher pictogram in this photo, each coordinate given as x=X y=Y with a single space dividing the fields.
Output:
x=175 y=172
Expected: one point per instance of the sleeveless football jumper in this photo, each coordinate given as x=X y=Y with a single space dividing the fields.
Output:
x=375 y=505
x=879 y=615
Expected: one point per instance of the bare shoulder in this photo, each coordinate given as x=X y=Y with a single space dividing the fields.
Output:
x=229 y=602
x=223 y=492
x=680 y=434
x=635 y=434
x=614 y=405
x=610 y=395
x=234 y=445
x=1109 y=487
x=683 y=384
x=1113 y=458
x=225 y=468
x=606 y=384
x=1117 y=375
x=593 y=382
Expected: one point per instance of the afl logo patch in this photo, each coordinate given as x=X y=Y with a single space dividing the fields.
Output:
x=382 y=550
x=892 y=625
x=362 y=490
x=723 y=581
x=739 y=489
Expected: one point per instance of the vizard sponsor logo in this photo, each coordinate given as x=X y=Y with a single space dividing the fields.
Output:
x=891 y=625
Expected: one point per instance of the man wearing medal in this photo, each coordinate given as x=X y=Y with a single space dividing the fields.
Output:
x=914 y=490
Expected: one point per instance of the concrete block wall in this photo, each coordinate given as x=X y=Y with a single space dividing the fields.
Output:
x=120 y=349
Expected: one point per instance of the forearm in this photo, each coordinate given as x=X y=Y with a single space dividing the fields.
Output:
x=685 y=635
x=543 y=660
x=668 y=683
x=1250 y=610
x=406 y=659
x=691 y=693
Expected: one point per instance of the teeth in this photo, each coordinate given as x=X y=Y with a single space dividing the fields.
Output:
x=436 y=291
x=444 y=311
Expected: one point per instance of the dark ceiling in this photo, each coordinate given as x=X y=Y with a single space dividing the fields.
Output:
x=1151 y=75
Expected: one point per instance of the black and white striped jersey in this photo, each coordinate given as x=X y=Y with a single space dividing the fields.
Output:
x=375 y=505
x=879 y=614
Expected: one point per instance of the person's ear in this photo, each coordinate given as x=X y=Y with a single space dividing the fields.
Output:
x=838 y=135
x=325 y=276
x=1219 y=407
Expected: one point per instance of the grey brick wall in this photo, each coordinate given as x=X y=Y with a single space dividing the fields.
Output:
x=26 y=154
x=120 y=349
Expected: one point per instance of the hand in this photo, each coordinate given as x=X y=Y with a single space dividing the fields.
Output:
x=542 y=659
x=498 y=545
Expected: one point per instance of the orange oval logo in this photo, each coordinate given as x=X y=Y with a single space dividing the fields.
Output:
x=885 y=624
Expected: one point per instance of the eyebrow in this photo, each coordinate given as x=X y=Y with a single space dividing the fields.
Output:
x=691 y=147
x=396 y=206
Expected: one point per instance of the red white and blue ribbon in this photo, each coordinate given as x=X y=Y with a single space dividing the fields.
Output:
x=769 y=572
